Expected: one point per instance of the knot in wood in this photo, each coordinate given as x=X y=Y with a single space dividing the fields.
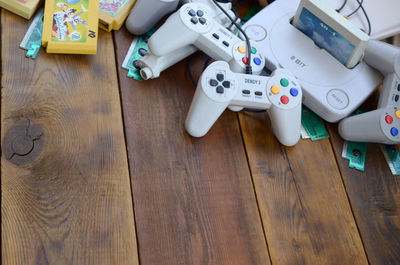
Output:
x=23 y=142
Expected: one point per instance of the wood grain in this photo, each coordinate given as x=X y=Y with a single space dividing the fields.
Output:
x=304 y=208
x=375 y=199
x=194 y=198
x=71 y=202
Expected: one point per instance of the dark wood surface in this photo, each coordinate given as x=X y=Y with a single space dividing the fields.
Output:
x=113 y=178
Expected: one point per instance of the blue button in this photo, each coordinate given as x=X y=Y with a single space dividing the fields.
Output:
x=394 y=131
x=294 y=92
x=257 y=61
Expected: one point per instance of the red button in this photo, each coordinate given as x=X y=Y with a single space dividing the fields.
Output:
x=285 y=100
x=245 y=60
x=389 y=119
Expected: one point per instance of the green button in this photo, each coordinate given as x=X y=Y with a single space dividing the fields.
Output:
x=253 y=50
x=284 y=82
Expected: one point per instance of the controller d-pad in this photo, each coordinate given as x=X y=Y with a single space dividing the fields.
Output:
x=220 y=90
x=220 y=77
x=194 y=20
x=192 y=13
x=197 y=16
x=226 y=84
x=213 y=82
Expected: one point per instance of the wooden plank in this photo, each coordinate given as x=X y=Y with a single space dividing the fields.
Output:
x=306 y=215
x=194 y=198
x=66 y=195
x=375 y=199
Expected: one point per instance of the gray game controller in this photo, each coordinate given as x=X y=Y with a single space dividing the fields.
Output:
x=383 y=124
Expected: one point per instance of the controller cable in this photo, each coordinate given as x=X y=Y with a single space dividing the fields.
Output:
x=248 y=66
x=360 y=5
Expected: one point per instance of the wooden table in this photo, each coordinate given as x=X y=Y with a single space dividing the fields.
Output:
x=108 y=175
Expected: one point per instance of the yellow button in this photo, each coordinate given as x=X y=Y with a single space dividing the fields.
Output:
x=242 y=49
x=275 y=90
x=397 y=114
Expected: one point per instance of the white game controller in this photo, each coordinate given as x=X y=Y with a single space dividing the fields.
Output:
x=152 y=65
x=146 y=13
x=381 y=125
x=193 y=25
x=219 y=87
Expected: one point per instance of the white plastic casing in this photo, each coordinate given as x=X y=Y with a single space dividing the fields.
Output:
x=146 y=13
x=381 y=125
x=330 y=89
x=249 y=91
x=178 y=33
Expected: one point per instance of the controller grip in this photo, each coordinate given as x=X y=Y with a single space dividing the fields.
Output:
x=286 y=124
x=203 y=113
x=172 y=35
x=383 y=56
x=145 y=14
x=364 y=127
x=152 y=65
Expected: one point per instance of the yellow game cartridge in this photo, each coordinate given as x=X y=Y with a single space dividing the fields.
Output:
x=71 y=26
x=23 y=8
x=113 y=13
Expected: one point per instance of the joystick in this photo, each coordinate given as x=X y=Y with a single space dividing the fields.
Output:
x=191 y=26
x=383 y=124
x=219 y=88
x=146 y=13
x=152 y=65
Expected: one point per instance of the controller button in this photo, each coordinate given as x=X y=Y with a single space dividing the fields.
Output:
x=397 y=114
x=285 y=100
x=253 y=50
x=192 y=13
x=394 y=131
x=396 y=98
x=246 y=92
x=202 y=20
x=398 y=87
x=220 y=90
x=215 y=35
x=275 y=90
x=225 y=43
x=142 y=52
x=213 y=82
x=226 y=84
x=194 y=20
x=200 y=13
x=388 y=119
x=220 y=77
x=284 y=82
x=294 y=92
x=257 y=61
x=242 y=49
x=245 y=60
x=258 y=93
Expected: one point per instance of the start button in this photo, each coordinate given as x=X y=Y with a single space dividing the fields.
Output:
x=337 y=98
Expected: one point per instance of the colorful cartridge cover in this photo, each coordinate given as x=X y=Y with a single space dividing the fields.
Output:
x=113 y=13
x=23 y=8
x=71 y=26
